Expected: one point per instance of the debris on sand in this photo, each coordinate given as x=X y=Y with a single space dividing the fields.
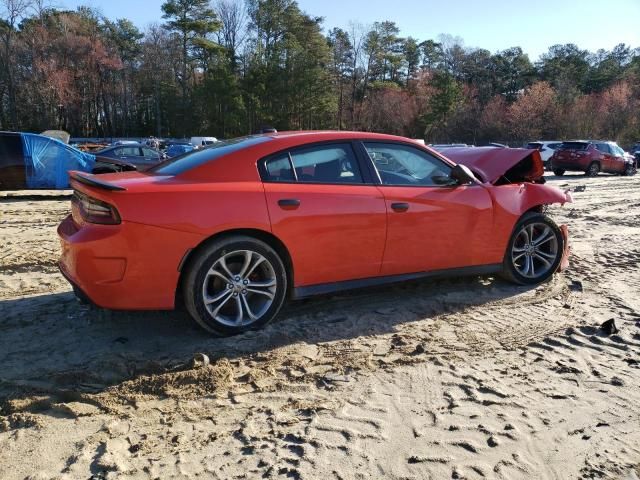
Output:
x=200 y=360
x=609 y=327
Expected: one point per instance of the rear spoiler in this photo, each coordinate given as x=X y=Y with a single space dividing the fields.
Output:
x=93 y=181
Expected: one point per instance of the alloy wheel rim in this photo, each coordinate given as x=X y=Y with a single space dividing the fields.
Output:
x=239 y=288
x=535 y=250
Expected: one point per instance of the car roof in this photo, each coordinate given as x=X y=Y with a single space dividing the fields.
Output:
x=327 y=135
x=128 y=145
x=588 y=141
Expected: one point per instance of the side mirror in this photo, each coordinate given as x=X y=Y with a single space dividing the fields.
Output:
x=462 y=175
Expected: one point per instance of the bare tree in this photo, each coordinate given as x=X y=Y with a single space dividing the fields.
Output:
x=233 y=15
x=11 y=11
x=39 y=7
x=357 y=36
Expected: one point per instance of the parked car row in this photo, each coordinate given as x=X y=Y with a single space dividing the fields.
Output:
x=42 y=161
x=592 y=157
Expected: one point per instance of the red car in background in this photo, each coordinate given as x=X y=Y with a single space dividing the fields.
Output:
x=592 y=157
x=234 y=229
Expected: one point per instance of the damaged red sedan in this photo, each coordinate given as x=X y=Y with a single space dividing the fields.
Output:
x=233 y=230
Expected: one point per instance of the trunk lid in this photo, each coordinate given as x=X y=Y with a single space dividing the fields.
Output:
x=121 y=181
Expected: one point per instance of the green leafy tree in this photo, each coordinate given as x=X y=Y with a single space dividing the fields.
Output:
x=192 y=21
x=442 y=103
x=342 y=56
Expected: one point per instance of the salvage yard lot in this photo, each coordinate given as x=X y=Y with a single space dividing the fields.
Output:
x=465 y=378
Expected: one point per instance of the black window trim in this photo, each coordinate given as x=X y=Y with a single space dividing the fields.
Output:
x=293 y=168
x=364 y=171
x=447 y=163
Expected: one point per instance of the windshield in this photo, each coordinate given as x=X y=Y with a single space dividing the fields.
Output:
x=189 y=160
x=534 y=146
x=574 y=146
x=617 y=150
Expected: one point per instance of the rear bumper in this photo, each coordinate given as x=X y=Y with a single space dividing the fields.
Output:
x=123 y=267
x=78 y=292
x=580 y=165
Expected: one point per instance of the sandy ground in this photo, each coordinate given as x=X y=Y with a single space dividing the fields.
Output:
x=468 y=378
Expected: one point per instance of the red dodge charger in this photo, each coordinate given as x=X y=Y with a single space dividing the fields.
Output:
x=234 y=229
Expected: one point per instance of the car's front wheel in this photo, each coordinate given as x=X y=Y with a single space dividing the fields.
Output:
x=534 y=251
x=235 y=284
x=629 y=169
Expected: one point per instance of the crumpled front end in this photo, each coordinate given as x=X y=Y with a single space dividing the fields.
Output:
x=500 y=166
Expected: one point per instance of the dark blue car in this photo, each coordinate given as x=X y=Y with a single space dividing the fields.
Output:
x=179 y=149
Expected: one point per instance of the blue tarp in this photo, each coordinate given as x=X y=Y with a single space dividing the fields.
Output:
x=47 y=161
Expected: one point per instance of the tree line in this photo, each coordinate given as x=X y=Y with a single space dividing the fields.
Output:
x=230 y=67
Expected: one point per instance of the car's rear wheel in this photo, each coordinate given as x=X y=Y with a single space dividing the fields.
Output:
x=534 y=251
x=593 y=170
x=235 y=284
x=558 y=171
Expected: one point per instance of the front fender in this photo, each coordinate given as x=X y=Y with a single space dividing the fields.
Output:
x=517 y=199
x=512 y=201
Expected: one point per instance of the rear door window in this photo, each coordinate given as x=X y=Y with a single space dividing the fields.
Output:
x=603 y=147
x=130 y=152
x=279 y=168
x=335 y=163
x=150 y=154
x=330 y=164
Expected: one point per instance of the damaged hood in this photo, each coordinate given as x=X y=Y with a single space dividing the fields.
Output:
x=499 y=165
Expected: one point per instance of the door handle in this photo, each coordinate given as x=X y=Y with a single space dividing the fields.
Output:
x=289 y=203
x=400 y=207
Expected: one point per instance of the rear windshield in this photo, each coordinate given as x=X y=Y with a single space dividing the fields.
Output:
x=574 y=146
x=534 y=146
x=187 y=161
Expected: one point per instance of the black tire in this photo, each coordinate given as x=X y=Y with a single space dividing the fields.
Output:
x=593 y=170
x=558 y=171
x=629 y=170
x=197 y=273
x=510 y=269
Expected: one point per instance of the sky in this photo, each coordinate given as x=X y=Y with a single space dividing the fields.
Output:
x=491 y=24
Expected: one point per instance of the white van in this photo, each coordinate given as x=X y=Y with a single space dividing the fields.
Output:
x=200 y=142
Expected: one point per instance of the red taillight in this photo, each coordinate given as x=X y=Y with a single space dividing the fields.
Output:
x=91 y=210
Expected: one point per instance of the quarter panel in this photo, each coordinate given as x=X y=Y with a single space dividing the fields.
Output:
x=200 y=208
x=126 y=266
